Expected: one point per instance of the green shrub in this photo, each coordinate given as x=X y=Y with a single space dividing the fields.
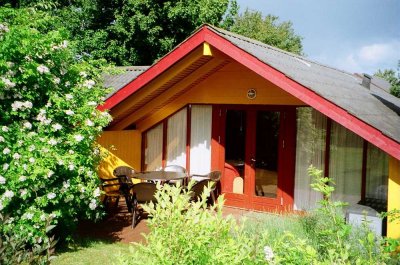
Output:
x=187 y=232
x=15 y=249
x=48 y=125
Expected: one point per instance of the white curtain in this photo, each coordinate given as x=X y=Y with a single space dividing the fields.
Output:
x=176 y=139
x=377 y=173
x=153 y=148
x=345 y=164
x=200 y=139
x=310 y=150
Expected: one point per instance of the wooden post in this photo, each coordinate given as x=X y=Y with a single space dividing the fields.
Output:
x=393 y=228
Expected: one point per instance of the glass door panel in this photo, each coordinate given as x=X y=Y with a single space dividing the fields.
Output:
x=266 y=159
x=235 y=147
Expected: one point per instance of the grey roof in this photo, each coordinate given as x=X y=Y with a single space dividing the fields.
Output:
x=123 y=77
x=374 y=106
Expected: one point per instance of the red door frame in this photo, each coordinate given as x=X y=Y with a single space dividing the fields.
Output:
x=286 y=157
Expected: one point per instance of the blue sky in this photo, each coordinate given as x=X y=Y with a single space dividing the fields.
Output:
x=353 y=35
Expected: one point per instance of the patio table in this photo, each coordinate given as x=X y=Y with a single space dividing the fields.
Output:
x=163 y=176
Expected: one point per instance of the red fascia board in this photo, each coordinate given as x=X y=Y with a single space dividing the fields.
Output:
x=309 y=97
x=166 y=62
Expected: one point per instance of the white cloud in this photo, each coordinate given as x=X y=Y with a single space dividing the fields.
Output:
x=365 y=59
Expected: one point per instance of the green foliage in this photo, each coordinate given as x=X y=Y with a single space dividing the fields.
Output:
x=15 y=249
x=187 y=232
x=268 y=30
x=48 y=126
x=393 y=77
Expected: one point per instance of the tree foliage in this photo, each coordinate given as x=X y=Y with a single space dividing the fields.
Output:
x=133 y=32
x=48 y=126
x=393 y=77
x=268 y=30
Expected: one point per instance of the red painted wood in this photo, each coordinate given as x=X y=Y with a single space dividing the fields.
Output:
x=188 y=136
x=156 y=69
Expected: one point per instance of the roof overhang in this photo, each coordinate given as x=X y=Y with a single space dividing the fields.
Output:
x=207 y=35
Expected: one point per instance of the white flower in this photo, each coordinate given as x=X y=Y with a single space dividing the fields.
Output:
x=43 y=217
x=50 y=173
x=24 y=166
x=89 y=122
x=56 y=80
x=29 y=216
x=69 y=96
x=28 y=104
x=31 y=148
x=22 y=178
x=71 y=167
x=66 y=184
x=6 y=166
x=89 y=83
x=52 y=141
x=71 y=152
x=42 y=69
x=92 y=204
x=269 y=254
x=16 y=156
x=64 y=44
x=8 y=83
x=2 y=180
x=92 y=103
x=82 y=190
x=6 y=151
x=32 y=160
x=83 y=74
x=1 y=139
x=23 y=192
x=57 y=127
x=96 y=192
x=69 y=112
x=51 y=195
x=60 y=162
x=28 y=125
x=16 y=105
x=4 y=129
x=67 y=84
x=4 y=28
x=78 y=137
x=9 y=194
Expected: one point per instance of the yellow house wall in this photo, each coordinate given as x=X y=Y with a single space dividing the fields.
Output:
x=227 y=86
x=121 y=148
x=393 y=228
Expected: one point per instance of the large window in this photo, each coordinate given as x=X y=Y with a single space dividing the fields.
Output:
x=359 y=170
x=168 y=142
x=153 y=141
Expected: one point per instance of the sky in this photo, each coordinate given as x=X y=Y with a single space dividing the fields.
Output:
x=358 y=36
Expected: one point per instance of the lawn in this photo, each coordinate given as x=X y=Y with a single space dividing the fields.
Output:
x=88 y=251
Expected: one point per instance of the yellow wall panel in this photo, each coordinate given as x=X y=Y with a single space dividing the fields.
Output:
x=228 y=85
x=121 y=148
x=393 y=228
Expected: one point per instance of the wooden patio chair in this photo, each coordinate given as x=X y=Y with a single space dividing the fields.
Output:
x=141 y=193
x=114 y=188
x=213 y=177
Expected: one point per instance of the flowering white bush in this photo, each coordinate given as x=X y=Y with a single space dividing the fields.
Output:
x=49 y=122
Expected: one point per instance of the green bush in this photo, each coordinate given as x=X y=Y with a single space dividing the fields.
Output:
x=48 y=125
x=187 y=232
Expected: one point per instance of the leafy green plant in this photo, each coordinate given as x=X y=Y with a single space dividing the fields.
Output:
x=15 y=249
x=183 y=231
x=48 y=127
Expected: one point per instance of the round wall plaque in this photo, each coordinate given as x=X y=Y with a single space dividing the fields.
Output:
x=251 y=93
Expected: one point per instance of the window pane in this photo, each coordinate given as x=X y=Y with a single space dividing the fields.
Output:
x=153 y=148
x=310 y=150
x=200 y=139
x=377 y=174
x=346 y=164
x=176 y=139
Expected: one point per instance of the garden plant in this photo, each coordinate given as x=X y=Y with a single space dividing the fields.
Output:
x=48 y=127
